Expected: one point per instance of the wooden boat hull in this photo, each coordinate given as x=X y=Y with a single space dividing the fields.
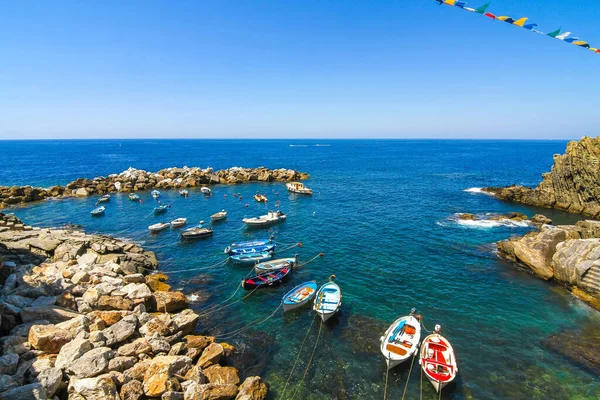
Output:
x=251 y=258
x=98 y=212
x=178 y=223
x=266 y=280
x=158 y=228
x=401 y=341
x=196 y=233
x=438 y=361
x=248 y=250
x=274 y=265
x=104 y=199
x=216 y=217
x=296 y=298
x=328 y=301
x=264 y=221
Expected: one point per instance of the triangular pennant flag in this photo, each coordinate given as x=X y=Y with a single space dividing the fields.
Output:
x=492 y=16
x=449 y=2
x=520 y=22
x=571 y=40
x=460 y=4
x=469 y=9
x=482 y=9
x=582 y=43
x=563 y=36
x=530 y=26
x=555 y=33
x=506 y=19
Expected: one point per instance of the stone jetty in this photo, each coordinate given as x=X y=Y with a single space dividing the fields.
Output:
x=132 y=180
x=572 y=185
x=86 y=317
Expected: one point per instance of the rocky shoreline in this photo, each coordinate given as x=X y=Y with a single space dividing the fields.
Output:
x=86 y=317
x=571 y=185
x=132 y=180
x=567 y=254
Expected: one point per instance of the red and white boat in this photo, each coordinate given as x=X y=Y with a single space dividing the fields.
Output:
x=438 y=360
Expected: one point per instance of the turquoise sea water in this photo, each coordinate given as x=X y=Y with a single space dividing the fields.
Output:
x=382 y=214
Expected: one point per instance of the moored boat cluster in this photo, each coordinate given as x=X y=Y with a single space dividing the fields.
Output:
x=132 y=180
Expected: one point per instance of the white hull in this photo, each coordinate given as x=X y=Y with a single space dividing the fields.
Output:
x=401 y=341
x=271 y=218
x=328 y=301
x=326 y=316
x=154 y=228
x=178 y=223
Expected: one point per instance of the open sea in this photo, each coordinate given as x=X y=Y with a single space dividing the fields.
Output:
x=383 y=213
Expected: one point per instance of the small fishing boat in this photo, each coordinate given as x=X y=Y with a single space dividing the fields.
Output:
x=160 y=209
x=184 y=192
x=104 y=199
x=251 y=249
x=178 y=223
x=328 y=300
x=134 y=197
x=261 y=198
x=298 y=187
x=205 y=190
x=96 y=212
x=161 y=226
x=251 y=258
x=271 y=218
x=197 y=232
x=242 y=245
x=267 y=279
x=276 y=264
x=155 y=193
x=299 y=296
x=221 y=215
x=438 y=360
x=401 y=340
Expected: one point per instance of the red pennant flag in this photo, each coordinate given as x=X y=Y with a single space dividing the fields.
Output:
x=492 y=16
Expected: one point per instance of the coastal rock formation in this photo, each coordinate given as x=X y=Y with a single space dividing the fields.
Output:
x=572 y=185
x=567 y=254
x=132 y=180
x=79 y=321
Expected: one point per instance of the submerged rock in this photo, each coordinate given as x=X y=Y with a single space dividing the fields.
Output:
x=581 y=347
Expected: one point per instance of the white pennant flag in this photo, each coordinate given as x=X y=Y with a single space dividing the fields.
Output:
x=563 y=36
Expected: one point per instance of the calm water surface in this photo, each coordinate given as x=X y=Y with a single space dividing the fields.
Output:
x=383 y=215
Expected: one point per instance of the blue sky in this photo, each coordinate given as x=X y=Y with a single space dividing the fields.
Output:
x=310 y=68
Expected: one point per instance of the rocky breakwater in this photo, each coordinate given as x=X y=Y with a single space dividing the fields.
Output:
x=567 y=254
x=82 y=319
x=572 y=185
x=132 y=180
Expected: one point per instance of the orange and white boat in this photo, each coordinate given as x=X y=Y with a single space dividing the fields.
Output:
x=261 y=198
x=401 y=340
x=438 y=360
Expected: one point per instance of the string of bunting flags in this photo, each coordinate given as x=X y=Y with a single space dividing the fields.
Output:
x=521 y=22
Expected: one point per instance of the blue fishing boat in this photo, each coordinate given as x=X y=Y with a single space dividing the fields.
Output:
x=155 y=193
x=96 y=212
x=299 y=296
x=251 y=258
x=328 y=300
x=160 y=209
x=251 y=249
x=244 y=245
x=134 y=197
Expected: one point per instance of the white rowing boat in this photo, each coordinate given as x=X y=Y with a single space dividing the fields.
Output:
x=401 y=340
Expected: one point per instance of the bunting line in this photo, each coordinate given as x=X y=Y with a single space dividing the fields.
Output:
x=521 y=22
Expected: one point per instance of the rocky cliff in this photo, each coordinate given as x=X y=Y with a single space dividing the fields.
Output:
x=572 y=185
x=567 y=254
x=133 y=179
x=82 y=319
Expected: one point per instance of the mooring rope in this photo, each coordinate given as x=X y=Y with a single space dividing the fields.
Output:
x=281 y=243
x=229 y=335
x=409 y=372
x=215 y=307
x=421 y=392
x=292 y=246
x=311 y=260
x=387 y=372
x=309 y=360
x=426 y=330
x=298 y=356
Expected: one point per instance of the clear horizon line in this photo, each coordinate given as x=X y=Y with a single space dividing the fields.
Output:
x=296 y=138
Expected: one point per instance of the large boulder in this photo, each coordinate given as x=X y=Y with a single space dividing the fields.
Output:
x=50 y=379
x=33 y=391
x=53 y=314
x=253 y=388
x=536 y=249
x=48 y=338
x=210 y=391
x=102 y=387
x=92 y=363
x=8 y=364
x=169 y=301
x=211 y=355
x=222 y=375
x=72 y=351
x=121 y=330
x=573 y=258
x=157 y=378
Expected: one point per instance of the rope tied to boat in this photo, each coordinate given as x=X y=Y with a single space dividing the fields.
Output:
x=409 y=372
x=385 y=386
x=219 y=306
x=222 y=262
x=292 y=246
x=311 y=260
x=298 y=356
x=231 y=334
x=309 y=360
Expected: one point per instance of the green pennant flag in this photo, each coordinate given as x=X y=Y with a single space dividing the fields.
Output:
x=481 y=10
x=555 y=33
